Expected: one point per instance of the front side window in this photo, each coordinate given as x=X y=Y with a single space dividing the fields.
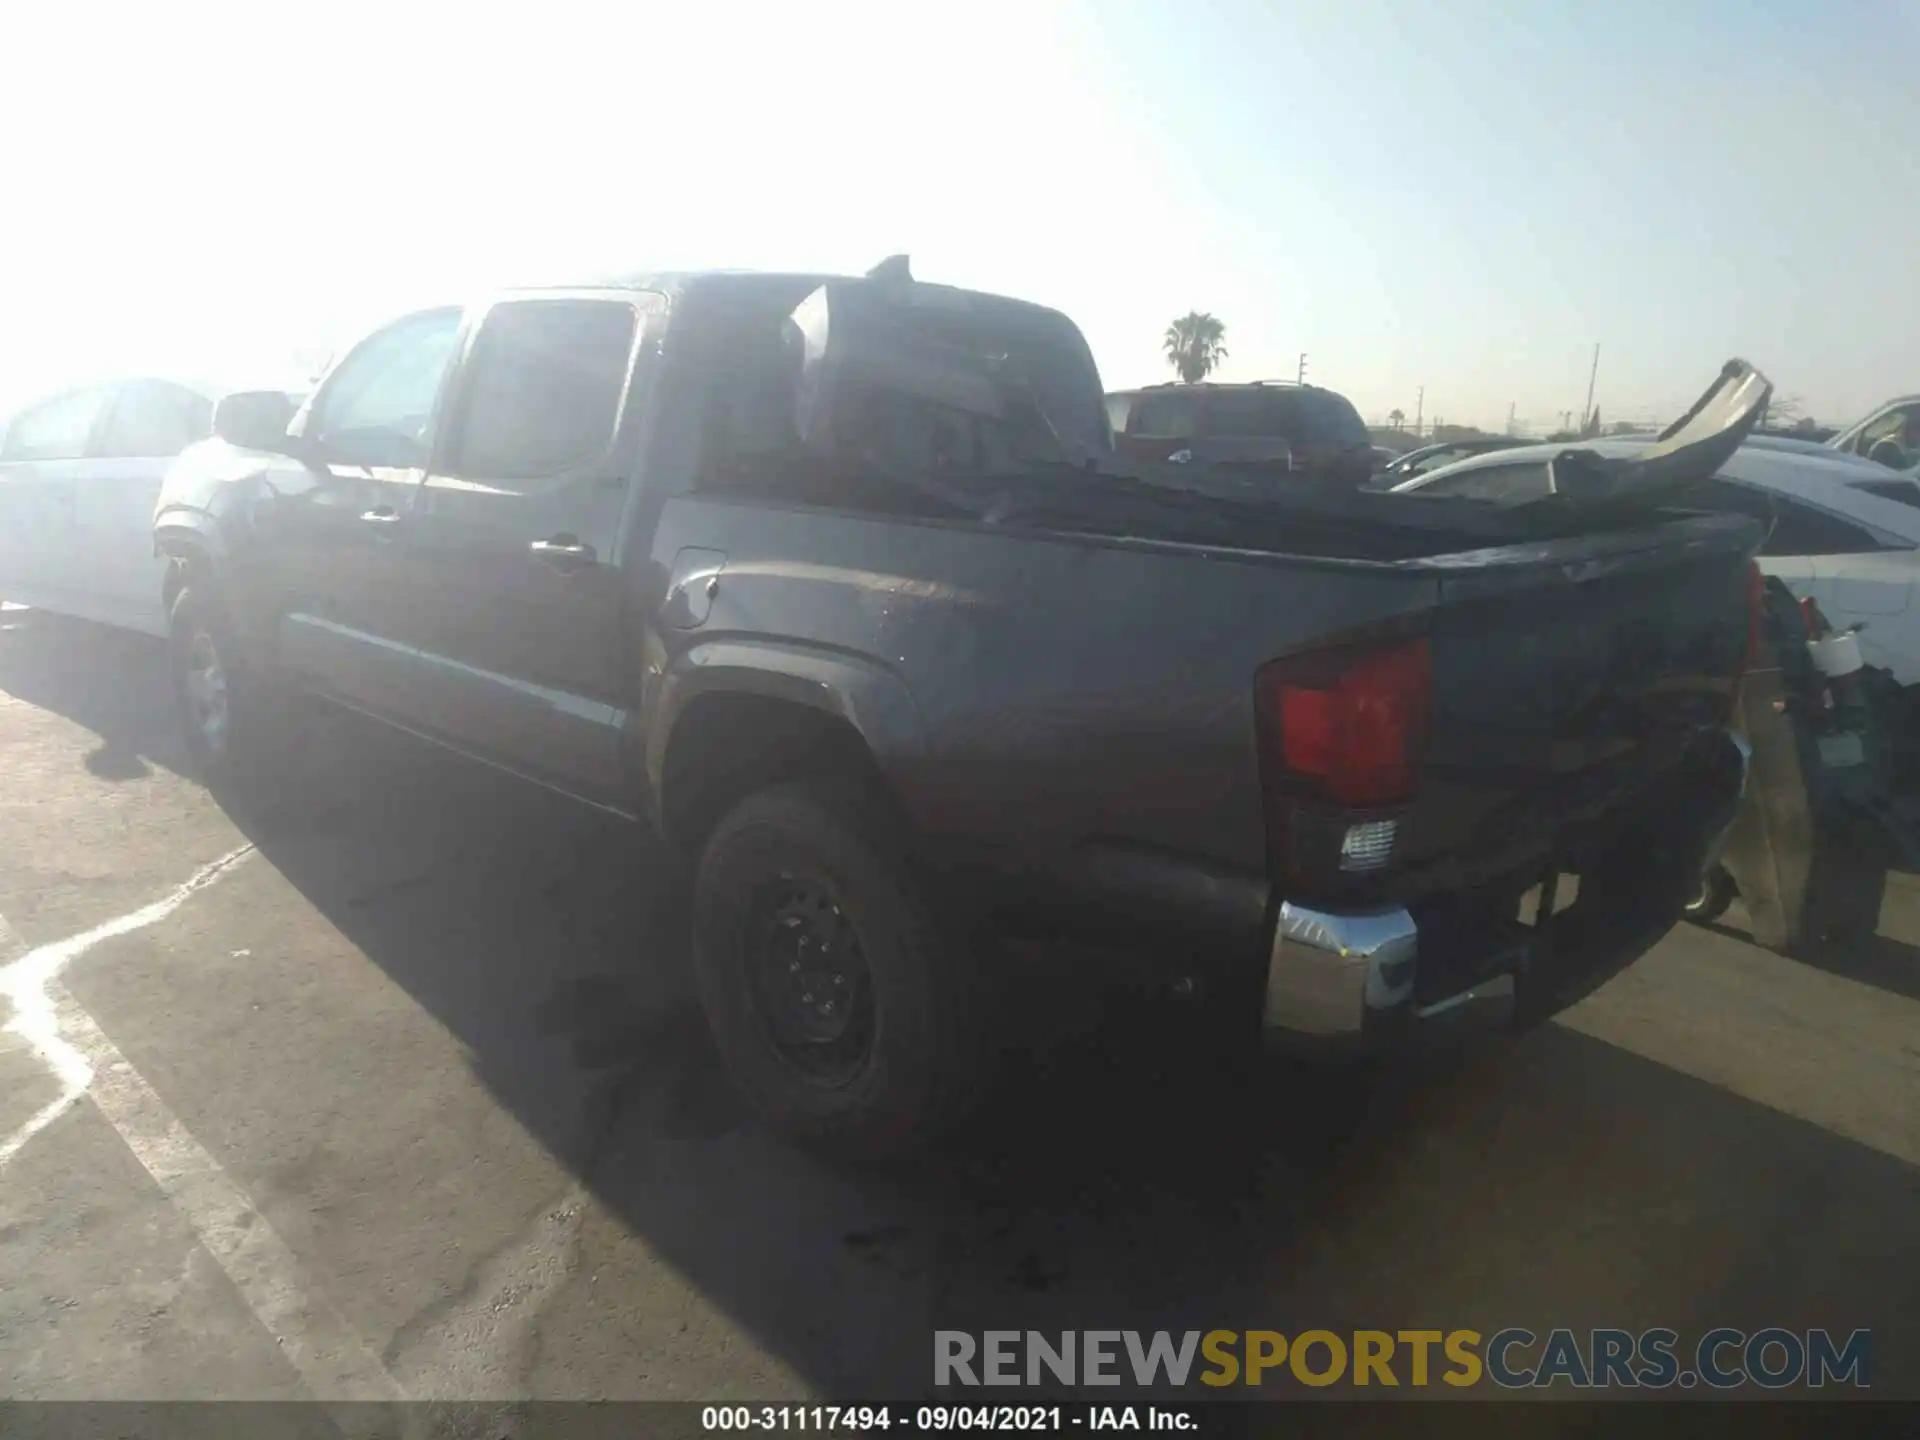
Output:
x=156 y=420
x=56 y=429
x=1891 y=437
x=377 y=405
x=1164 y=415
x=543 y=390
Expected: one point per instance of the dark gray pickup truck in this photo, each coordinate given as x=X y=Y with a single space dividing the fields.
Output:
x=839 y=584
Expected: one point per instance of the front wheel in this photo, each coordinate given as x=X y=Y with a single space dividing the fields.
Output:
x=239 y=728
x=843 y=1012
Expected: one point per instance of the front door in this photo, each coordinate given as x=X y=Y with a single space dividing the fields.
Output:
x=42 y=461
x=332 y=523
x=150 y=422
x=515 y=543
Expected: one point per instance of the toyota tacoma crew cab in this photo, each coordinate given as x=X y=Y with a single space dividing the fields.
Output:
x=842 y=585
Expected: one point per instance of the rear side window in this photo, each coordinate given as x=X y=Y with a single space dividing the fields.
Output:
x=1305 y=417
x=1521 y=480
x=1801 y=530
x=56 y=429
x=1164 y=415
x=1436 y=460
x=1793 y=528
x=1265 y=414
x=543 y=388
x=1905 y=492
x=155 y=420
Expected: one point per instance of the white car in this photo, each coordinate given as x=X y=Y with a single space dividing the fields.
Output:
x=1845 y=533
x=79 y=474
x=1889 y=437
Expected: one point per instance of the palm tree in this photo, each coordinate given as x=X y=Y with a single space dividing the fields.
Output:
x=1396 y=418
x=1195 y=345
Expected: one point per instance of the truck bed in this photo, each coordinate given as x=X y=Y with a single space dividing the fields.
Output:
x=1085 y=704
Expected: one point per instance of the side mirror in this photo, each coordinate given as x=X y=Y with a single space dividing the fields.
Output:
x=254 y=419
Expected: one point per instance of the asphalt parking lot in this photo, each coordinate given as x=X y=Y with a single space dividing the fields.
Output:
x=403 y=1093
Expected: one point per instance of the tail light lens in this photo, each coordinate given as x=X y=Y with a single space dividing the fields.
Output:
x=1349 y=724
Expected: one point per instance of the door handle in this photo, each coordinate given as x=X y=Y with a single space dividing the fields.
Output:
x=563 y=552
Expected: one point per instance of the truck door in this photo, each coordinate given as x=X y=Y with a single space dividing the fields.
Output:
x=514 y=543
x=331 y=525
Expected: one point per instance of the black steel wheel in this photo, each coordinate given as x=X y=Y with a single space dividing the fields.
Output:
x=845 y=1014
x=241 y=729
x=810 y=983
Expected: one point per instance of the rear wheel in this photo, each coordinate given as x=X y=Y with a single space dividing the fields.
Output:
x=1711 y=899
x=844 y=1013
x=240 y=728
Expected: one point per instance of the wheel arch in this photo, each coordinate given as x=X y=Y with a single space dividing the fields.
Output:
x=190 y=548
x=734 y=717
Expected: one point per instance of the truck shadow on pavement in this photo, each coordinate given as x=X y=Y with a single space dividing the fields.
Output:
x=112 y=682
x=1128 y=1173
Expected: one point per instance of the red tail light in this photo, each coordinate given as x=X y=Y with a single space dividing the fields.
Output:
x=1351 y=723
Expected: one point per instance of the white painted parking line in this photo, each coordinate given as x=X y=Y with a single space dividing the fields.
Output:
x=28 y=983
x=317 y=1341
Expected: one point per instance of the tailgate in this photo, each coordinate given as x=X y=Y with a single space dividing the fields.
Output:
x=1569 y=681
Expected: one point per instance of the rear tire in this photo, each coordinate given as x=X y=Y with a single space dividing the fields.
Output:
x=845 y=1014
x=240 y=728
x=1710 y=901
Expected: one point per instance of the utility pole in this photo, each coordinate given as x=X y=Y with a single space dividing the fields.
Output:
x=1419 y=403
x=1566 y=419
x=1301 y=377
x=1510 y=406
x=1592 y=375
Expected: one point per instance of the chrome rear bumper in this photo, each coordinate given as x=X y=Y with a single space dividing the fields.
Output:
x=1343 y=984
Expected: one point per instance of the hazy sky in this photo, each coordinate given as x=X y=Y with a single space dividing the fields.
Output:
x=1465 y=196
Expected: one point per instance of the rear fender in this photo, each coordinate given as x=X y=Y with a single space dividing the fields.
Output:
x=870 y=698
